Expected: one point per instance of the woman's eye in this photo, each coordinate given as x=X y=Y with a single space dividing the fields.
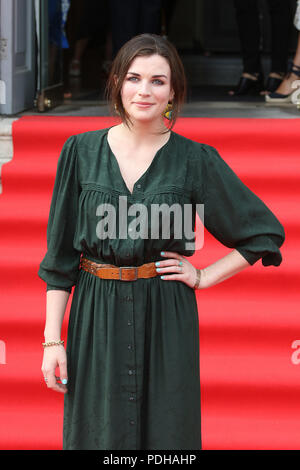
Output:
x=155 y=80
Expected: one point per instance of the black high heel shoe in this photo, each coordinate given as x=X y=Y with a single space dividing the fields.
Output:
x=248 y=85
x=274 y=82
x=279 y=97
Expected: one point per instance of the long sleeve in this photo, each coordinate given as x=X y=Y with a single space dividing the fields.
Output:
x=60 y=265
x=233 y=214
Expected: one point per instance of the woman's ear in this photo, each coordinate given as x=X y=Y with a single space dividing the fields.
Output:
x=172 y=94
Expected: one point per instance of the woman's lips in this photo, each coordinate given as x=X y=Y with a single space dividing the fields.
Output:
x=140 y=105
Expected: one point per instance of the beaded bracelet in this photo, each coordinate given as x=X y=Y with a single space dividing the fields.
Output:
x=198 y=278
x=52 y=343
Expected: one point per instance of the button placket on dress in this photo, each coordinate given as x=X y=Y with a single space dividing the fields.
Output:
x=131 y=347
x=129 y=363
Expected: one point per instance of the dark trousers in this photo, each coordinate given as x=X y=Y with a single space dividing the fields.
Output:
x=94 y=18
x=132 y=17
x=247 y=12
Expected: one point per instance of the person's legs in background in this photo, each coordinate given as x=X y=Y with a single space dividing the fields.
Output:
x=80 y=46
x=133 y=17
x=108 y=54
x=247 y=14
x=281 y=22
x=168 y=7
x=91 y=22
x=150 y=17
x=291 y=82
x=286 y=89
x=124 y=22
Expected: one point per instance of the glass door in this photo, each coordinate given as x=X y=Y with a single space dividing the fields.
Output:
x=51 y=17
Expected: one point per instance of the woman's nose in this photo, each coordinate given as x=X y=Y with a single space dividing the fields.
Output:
x=144 y=88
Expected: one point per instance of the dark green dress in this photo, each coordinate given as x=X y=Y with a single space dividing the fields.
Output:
x=133 y=347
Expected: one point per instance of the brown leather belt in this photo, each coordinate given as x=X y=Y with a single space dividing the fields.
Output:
x=122 y=273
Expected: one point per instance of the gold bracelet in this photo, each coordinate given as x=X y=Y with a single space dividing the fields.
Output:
x=52 y=343
x=197 y=279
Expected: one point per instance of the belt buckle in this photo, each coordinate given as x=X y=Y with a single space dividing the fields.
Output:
x=128 y=267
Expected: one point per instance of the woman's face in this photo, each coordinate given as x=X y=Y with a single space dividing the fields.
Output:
x=148 y=80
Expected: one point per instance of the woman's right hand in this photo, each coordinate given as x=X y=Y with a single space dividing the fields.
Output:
x=55 y=356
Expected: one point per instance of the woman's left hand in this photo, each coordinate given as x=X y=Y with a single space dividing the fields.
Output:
x=181 y=269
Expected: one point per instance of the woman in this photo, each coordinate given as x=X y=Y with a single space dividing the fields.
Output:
x=132 y=359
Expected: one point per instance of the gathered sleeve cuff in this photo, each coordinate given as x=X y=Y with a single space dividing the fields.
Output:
x=233 y=214
x=60 y=265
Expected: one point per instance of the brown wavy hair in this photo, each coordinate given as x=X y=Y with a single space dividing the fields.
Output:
x=139 y=46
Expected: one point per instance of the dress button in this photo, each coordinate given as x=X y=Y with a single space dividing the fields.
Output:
x=129 y=346
x=129 y=323
x=139 y=186
x=132 y=422
x=130 y=372
x=131 y=398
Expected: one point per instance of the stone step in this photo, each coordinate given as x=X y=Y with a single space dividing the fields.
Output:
x=6 y=144
x=217 y=69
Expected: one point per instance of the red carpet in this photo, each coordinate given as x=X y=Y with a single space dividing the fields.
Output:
x=250 y=381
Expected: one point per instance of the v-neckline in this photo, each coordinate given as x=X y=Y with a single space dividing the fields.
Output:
x=115 y=160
